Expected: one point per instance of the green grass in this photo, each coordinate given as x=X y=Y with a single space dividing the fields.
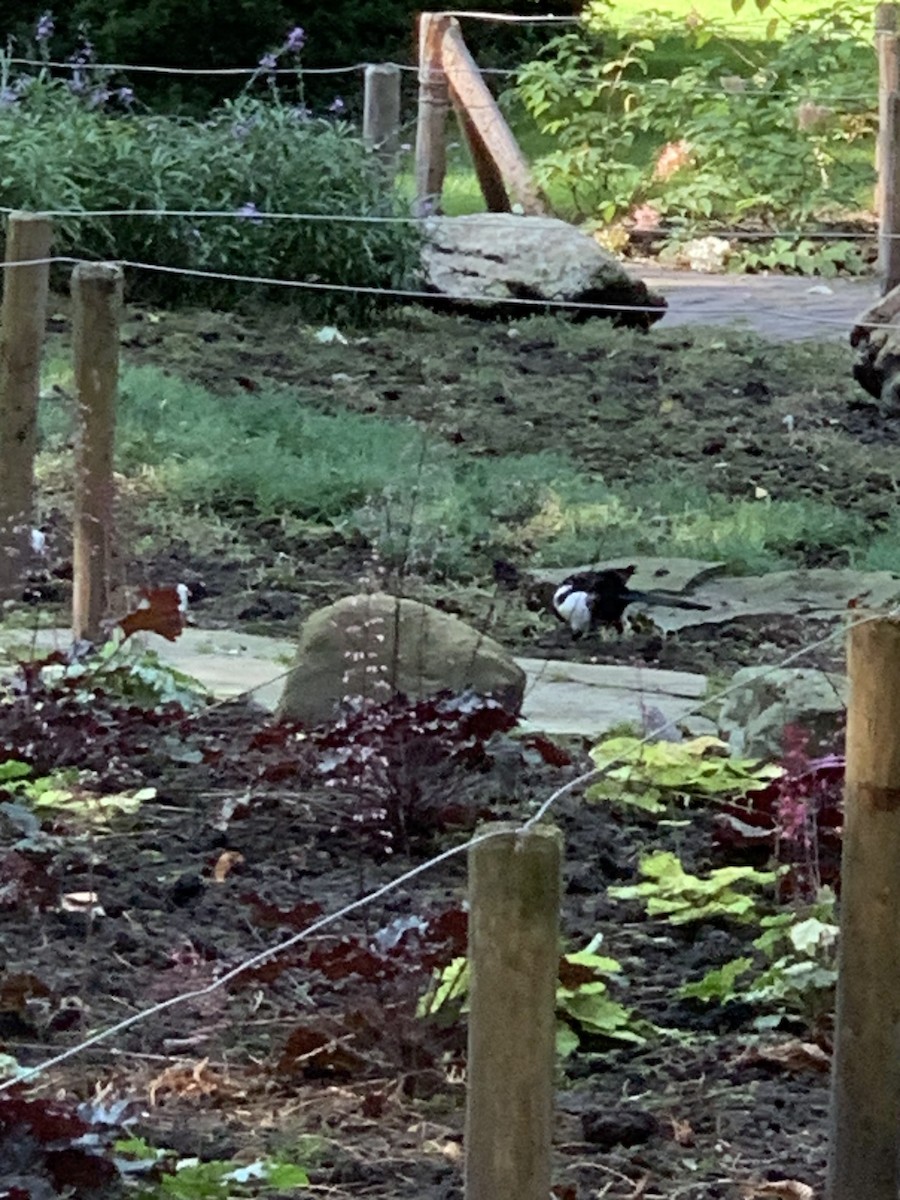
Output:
x=202 y=461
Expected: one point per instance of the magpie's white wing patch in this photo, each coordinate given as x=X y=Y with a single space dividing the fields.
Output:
x=573 y=607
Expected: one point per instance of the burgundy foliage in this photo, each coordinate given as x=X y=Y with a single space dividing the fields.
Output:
x=50 y=1148
x=796 y=821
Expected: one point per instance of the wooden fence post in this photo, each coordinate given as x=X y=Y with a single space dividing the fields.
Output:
x=97 y=303
x=431 y=126
x=514 y=898
x=23 y=318
x=381 y=113
x=503 y=171
x=865 y=1106
x=886 y=51
x=887 y=147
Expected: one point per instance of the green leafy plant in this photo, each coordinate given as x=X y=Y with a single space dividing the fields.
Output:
x=63 y=149
x=126 y=672
x=192 y=1179
x=670 y=893
x=690 y=123
x=66 y=793
x=652 y=775
x=794 y=970
x=584 y=1006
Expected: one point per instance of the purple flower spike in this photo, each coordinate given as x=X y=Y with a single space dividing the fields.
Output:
x=268 y=62
x=43 y=31
x=250 y=212
x=337 y=105
x=296 y=40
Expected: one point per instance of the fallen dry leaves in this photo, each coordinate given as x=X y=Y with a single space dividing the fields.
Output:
x=190 y=1081
x=793 y=1055
x=780 y=1189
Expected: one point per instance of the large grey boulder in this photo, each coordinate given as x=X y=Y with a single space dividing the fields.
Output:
x=764 y=701
x=493 y=258
x=376 y=645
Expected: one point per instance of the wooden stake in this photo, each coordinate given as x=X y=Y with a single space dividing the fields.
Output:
x=381 y=113
x=434 y=102
x=97 y=303
x=23 y=317
x=489 y=178
x=865 y=1110
x=514 y=897
x=889 y=223
x=495 y=138
x=886 y=50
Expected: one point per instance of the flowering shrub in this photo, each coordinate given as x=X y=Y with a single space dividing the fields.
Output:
x=83 y=142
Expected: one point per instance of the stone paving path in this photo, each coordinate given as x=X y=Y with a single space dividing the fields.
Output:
x=781 y=307
x=561 y=697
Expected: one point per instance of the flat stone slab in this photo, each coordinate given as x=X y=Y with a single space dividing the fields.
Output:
x=560 y=697
x=779 y=307
x=820 y=593
x=671 y=574
x=586 y=699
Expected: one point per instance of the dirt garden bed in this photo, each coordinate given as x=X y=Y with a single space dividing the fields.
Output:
x=318 y=1059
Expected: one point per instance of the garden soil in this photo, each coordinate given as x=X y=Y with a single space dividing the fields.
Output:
x=701 y=1110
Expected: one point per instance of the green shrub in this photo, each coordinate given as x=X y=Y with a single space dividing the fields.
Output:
x=249 y=156
x=757 y=133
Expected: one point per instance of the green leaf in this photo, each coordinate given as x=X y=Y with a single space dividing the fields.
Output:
x=717 y=984
x=566 y=1040
x=599 y=1014
x=809 y=935
x=12 y=769
x=287 y=1175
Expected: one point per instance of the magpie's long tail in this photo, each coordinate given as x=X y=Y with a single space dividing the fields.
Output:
x=667 y=599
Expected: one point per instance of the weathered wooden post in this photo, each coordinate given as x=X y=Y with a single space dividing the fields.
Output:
x=502 y=169
x=23 y=318
x=97 y=304
x=865 y=1109
x=431 y=126
x=887 y=147
x=514 y=898
x=381 y=114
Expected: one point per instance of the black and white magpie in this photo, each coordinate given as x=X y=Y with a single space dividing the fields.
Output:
x=594 y=598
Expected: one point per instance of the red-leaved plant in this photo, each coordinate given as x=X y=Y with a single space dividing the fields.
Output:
x=795 y=821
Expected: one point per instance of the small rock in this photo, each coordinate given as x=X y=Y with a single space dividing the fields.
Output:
x=376 y=645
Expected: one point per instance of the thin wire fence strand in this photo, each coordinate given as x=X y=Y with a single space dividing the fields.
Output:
x=438 y=297
x=327 y=919
x=513 y=301
x=254 y=216
x=136 y=68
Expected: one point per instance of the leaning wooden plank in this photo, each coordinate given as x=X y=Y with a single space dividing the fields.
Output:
x=489 y=178
x=469 y=92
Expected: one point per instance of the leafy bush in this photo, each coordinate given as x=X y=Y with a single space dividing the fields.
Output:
x=61 y=150
x=651 y=774
x=671 y=894
x=683 y=119
x=796 y=957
